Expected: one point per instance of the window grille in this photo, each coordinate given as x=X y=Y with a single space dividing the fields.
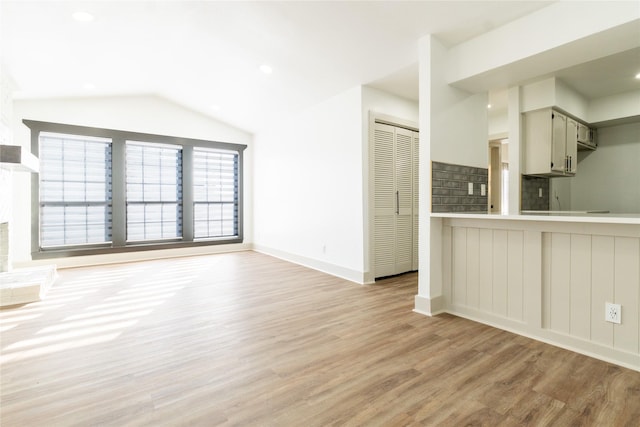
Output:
x=215 y=188
x=75 y=190
x=154 y=191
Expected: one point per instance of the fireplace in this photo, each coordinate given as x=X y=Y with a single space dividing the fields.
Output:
x=20 y=285
x=5 y=264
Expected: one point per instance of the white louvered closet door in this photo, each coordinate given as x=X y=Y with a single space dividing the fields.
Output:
x=385 y=200
x=404 y=200
x=416 y=157
x=395 y=171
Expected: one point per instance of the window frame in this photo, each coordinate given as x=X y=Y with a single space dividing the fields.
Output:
x=119 y=243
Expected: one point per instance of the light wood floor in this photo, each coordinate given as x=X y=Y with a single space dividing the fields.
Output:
x=244 y=339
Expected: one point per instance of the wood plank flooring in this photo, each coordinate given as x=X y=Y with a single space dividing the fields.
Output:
x=243 y=339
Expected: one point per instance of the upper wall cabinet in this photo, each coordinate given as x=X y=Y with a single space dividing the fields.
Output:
x=551 y=143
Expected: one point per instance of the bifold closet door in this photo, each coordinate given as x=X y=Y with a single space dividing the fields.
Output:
x=394 y=200
x=416 y=191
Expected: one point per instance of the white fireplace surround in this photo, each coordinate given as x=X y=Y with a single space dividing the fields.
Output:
x=5 y=264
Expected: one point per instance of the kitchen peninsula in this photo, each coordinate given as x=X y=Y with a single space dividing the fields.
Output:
x=547 y=276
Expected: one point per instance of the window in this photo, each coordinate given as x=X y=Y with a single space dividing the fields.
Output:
x=215 y=197
x=103 y=190
x=75 y=190
x=154 y=191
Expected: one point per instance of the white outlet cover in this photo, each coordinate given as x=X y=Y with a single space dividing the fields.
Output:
x=483 y=190
x=613 y=313
x=470 y=186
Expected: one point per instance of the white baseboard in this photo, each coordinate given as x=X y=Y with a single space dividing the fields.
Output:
x=91 y=260
x=428 y=306
x=325 y=267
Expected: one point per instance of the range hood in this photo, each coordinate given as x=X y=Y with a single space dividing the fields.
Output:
x=16 y=158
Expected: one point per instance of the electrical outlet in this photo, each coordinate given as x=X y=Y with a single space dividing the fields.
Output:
x=613 y=313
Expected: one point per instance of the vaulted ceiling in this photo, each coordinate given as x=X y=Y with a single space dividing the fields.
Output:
x=206 y=55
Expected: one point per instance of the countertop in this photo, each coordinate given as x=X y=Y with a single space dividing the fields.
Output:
x=558 y=216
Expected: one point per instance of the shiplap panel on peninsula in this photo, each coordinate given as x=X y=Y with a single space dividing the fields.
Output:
x=548 y=282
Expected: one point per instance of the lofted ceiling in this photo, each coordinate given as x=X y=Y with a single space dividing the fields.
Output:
x=205 y=55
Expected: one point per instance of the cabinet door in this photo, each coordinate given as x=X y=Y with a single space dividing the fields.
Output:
x=538 y=134
x=572 y=145
x=558 y=142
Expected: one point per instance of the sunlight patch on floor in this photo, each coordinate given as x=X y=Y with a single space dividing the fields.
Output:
x=47 y=349
x=71 y=335
x=69 y=323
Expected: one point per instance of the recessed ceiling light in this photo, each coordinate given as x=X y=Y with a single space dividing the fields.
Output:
x=266 y=69
x=89 y=86
x=215 y=107
x=488 y=105
x=82 y=16
x=638 y=76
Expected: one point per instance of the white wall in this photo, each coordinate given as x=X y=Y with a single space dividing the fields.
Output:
x=552 y=92
x=539 y=94
x=459 y=119
x=386 y=103
x=498 y=123
x=311 y=183
x=614 y=107
x=308 y=187
x=571 y=101
x=609 y=177
x=146 y=114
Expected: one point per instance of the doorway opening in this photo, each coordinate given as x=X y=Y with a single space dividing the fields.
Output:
x=499 y=176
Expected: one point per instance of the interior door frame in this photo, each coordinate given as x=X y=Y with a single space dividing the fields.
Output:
x=369 y=186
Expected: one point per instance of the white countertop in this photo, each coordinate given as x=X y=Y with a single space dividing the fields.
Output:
x=557 y=216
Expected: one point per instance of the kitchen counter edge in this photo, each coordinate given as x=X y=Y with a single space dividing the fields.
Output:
x=553 y=217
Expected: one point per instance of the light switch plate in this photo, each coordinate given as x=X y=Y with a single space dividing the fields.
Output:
x=539 y=192
x=470 y=188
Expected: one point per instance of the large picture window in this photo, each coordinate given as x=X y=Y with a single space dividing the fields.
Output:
x=103 y=190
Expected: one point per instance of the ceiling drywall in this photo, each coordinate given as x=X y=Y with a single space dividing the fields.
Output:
x=205 y=55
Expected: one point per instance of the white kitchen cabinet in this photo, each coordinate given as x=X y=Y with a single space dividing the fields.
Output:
x=551 y=140
x=395 y=166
